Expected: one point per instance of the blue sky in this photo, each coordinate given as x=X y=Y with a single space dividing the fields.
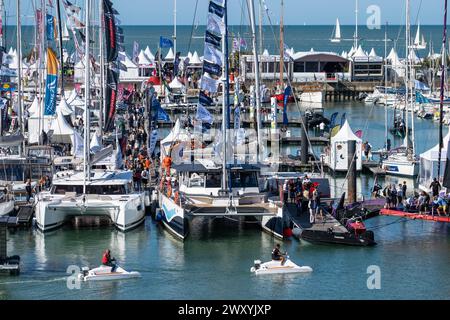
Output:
x=297 y=12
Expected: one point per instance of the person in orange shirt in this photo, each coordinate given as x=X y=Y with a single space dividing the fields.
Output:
x=147 y=163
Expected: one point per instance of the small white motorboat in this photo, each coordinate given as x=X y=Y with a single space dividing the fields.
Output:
x=275 y=267
x=104 y=273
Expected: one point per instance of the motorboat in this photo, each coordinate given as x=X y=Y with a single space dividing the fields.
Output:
x=275 y=267
x=103 y=273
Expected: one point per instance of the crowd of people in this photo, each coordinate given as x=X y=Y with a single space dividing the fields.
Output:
x=436 y=202
x=304 y=194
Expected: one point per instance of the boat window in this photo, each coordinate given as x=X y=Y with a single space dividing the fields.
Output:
x=9 y=172
x=244 y=180
x=196 y=180
x=101 y=190
x=213 y=180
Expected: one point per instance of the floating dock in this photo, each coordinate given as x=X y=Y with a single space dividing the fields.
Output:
x=415 y=216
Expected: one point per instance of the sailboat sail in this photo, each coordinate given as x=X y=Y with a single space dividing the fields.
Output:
x=337 y=33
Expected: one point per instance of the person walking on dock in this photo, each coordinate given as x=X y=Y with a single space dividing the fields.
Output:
x=435 y=187
x=28 y=190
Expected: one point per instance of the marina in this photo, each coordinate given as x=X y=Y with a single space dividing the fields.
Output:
x=220 y=162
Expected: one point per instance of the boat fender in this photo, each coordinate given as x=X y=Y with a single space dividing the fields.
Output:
x=159 y=215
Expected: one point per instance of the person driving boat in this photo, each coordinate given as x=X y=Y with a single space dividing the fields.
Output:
x=277 y=255
x=108 y=261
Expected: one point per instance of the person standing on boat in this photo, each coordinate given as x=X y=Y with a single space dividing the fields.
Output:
x=277 y=255
x=435 y=187
x=28 y=190
x=108 y=261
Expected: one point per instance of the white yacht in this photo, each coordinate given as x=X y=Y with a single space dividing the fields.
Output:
x=108 y=193
x=401 y=165
x=201 y=195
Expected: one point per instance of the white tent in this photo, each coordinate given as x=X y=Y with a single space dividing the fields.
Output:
x=144 y=60
x=338 y=158
x=195 y=59
x=79 y=72
x=59 y=130
x=64 y=108
x=132 y=69
x=189 y=56
x=429 y=164
x=359 y=53
x=149 y=54
x=34 y=108
x=170 y=56
x=176 y=84
x=95 y=145
x=351 y=52
x=173 y=136
x=373 y=54
x=413 y=57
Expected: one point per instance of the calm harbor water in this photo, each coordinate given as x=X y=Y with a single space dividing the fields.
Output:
x=214 y=262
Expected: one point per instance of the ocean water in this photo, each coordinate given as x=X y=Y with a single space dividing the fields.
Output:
x=301 y=38
x=214 y=262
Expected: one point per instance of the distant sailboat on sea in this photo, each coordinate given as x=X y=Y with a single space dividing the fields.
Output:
x=337 y=32
x=419 y=42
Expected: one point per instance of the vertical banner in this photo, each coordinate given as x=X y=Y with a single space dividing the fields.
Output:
x=112 y=80
x=50 y=27
x=287 y=94
x=112 y=49
x=52 y=83
x=136 y=52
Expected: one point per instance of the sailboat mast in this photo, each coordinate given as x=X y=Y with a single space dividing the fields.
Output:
x=87 y=86
x=441 y=106
x=251 y=8
x=261 y=13
x=385 y=86
x=356 y=25
x=102 y=70
x=2 y=11
x=226 y=97
x=174 y=32
x=407 y=75
x=281 y=45
x=19 y=75
x=61 y=54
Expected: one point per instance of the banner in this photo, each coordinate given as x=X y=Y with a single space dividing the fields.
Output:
x=203 y=114
x=333 y=119
x=209 y=84
x=212 y=54
x=215 y=24
x=216 y=9
x=165 y=43
x=152 y=140
x=135 y=52
x=112 y=46
x=446 y=182
x=112 y=80
x=212 y=68
x=343 y=119
x=287 y=94
x=51 y=90
x=212 y=39
x=50 y=27
x=237 y=117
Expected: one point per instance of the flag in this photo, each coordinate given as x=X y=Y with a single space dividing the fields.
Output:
x=343 y=119
x=237 y=117
x=50 y=3
x=136 y=52
x=50 y=27
x=213 y=55
x=1 y=27
x=446 y=180
x=112 y=45
x=216 y=9
x=152 y=140
x=112 y=81
x=165 y=42
x=203 y=114
x=212 y=39
x=160 y=114
x=52 y=83
x=212 y=68
x=204 y=99
x=287 y=94
x=333 y=119
x=78 y=145
x=359 y=134
x=215 y=24
x=71 y=9
x=209 y=84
